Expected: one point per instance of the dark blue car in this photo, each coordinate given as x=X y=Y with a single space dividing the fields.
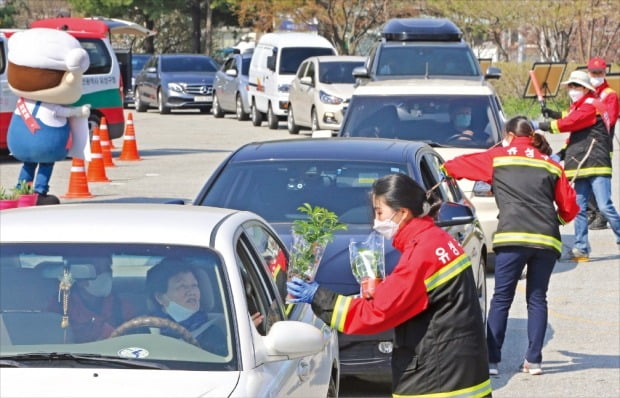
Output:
x=274 y=178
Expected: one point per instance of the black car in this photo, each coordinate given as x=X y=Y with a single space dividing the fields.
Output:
x=274 y=178
x=175 y=81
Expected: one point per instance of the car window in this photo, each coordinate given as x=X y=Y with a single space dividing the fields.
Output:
x=411 y=60
x=275 y=189
x=2 y=56
x=423 y=118
x=301 y=71
x=37 y=315
x=187 y=64
x=98 y=55
x=245 y=66
x=338 y=72
x=447 y=190
x=137 y=63
x=310 y=71
x=292 y=57
x=229 y=64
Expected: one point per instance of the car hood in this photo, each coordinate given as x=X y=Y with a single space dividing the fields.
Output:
x=64 y=382
x=341 y=90
x=189 y=77
x=335 y=268
x=451 y=153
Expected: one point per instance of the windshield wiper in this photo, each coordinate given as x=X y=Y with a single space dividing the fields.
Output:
x=15 y=360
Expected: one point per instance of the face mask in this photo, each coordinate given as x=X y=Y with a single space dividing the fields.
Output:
x=597 y=81
x=387 y=228
x=575 y=95
x=101 y=286
x=178 y=312
x=462 y=121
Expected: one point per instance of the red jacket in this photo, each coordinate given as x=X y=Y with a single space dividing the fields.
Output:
x=526 y=184
x=610 y=98
x=431 y=299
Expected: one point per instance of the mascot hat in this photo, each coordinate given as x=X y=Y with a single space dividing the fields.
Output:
x=56 y=50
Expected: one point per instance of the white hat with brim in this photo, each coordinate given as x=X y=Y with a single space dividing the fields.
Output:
x=581 y=78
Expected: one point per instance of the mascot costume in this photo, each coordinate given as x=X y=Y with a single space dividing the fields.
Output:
x=45 y=68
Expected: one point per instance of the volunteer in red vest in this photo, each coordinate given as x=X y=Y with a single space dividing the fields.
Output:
x=587 y=157
x=528 y=186
x=430 y=298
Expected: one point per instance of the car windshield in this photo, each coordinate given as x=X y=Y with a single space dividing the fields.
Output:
x=137 y=63
x=292 y=57
x=338 y=72
x=187 y=64
x=55 y=298
x=426 y=60
x=440 y=120
x=275 y=189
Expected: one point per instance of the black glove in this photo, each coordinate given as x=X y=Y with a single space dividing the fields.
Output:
x=544 y=126
x=546 y=112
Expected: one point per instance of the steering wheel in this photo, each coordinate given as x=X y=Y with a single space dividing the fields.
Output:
x=155 y=322
x=460 y=137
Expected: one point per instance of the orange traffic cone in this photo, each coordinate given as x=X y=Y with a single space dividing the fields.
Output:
x=104 y=132
x=130 y=148
x=104 y=139
x=78 y=184
x=96 y=168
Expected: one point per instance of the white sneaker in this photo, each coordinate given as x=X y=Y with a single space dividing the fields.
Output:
x=493 y=369
x=532 y=368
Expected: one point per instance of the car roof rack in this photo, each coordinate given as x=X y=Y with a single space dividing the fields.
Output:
x=421 y=29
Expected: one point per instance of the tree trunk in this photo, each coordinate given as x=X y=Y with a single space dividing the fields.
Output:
x=149 y=42
x=209 y=28
x=194 y=9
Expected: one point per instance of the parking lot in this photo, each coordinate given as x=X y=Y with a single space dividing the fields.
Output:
x=582 y=351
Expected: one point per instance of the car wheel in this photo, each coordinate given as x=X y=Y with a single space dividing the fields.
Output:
x=272 y=119
x=332 y=390
x=257 y=117
x=314 y=121
x=482 y=288
x=141 y=106
x=163 y=109
x=290 y=122
x=241 y=114
x=216 y=109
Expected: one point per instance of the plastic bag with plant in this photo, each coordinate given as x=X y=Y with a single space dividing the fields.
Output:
x=368 y=263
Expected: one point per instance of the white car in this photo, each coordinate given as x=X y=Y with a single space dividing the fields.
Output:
x=319 y=91
x=426 y=110
x=44 y=250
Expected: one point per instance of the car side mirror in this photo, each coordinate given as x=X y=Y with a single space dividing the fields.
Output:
x=493 y=73
x=271 y=62
x=231 y=72
x=454 y=214
x=306 y=80
x=361 y=72
x=292 y=339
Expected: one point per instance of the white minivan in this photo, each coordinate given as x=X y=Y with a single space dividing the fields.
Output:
x=274 y=64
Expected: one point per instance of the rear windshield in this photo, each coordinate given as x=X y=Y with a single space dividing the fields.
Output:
x=439 y=120
x=188 y=64
x=411 y=60
x=292 y=57
x=338 y=72
x=98 y=55
x=275 y=189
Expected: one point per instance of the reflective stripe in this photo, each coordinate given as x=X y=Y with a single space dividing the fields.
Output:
x=447 y=272
x=561 y=220
x=340 y=312
x=589 y=171
x=554 y=126
x=276 y=271
x=481 y=390
x=525 y=237
x=524 y=161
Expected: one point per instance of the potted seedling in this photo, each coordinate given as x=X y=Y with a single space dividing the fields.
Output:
x=27 y=196
x=368 y=263
x=310 y=237
x=8 y=199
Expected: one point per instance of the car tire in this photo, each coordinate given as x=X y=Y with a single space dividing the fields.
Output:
x=241 y=114
x=163 y=109
x=272 y=119
x=314 y=120
x=140 y=105
x=257 y=117
x=216 y=109
x=290 y=122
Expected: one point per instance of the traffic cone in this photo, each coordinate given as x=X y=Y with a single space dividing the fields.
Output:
x=130 y=148
x=96 y=168
x=104 y=139
x=104 y=132
x=78 y=184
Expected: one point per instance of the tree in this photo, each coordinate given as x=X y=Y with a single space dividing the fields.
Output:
x=8 y=12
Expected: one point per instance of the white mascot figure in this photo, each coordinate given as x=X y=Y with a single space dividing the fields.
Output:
x=45 y=68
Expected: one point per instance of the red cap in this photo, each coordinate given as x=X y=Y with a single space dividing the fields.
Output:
x=597 y=63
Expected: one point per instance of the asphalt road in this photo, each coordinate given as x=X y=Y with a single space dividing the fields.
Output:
x=582 y=349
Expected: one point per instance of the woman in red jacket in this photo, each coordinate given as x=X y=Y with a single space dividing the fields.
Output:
x=430 y=299
x=527 y=185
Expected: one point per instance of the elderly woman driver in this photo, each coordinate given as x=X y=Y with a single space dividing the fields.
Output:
x=174 y=287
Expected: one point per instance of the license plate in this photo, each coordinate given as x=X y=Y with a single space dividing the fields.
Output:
x=203 y=98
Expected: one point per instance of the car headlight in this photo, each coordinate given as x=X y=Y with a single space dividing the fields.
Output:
x=481 y=188
x=283 y=88
x=175 y=87
x=329 y=99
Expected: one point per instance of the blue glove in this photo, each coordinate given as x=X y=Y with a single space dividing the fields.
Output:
x=302 y=291
x=556 y=157
x=535 y=124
